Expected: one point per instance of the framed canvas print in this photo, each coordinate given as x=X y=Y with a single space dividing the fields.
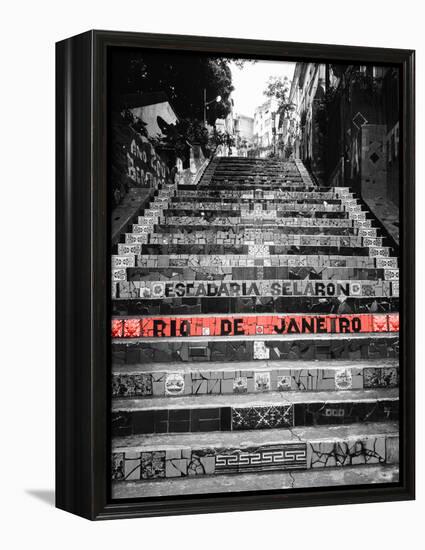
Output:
x=235 y=282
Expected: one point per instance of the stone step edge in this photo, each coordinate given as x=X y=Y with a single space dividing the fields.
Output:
x=247 y=401
x=251 y=438
x=373 y=475
x=244 y=366
x=199 y=341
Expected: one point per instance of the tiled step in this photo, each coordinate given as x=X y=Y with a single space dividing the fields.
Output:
x=175 y=224
x=244 y=186
x=259 y=250
x=248 y=233
x=244 y=178
x=238 y=211
x=318 y=347
x=154 y=457
x=253 y=273
x=286 y=304
x=258 y=288
x=216 y=199
x=290 y=215
x=165 y=234
x=255 y=174
x=236 y=214
x=261 y=481
x=173 y=379
x=236 y=192
x=272 y=410
x=241 y=260
x=263 y=205
x=249 y=325
x=189 y=403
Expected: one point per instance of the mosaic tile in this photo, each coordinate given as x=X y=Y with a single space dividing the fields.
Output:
x=260 y=459
x=174 y=384
x=123 y=261
x=153 y=465
x=380 y=377
x=137 y=385
x=284 y=383
x=119 y=274
x=268 y=417
x=118 y=466
x=347 y=453
x=240 y=384
x=260 y=350
x=343 y=379
x=262 y=381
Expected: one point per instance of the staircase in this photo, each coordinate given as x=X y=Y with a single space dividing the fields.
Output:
x=254 y=338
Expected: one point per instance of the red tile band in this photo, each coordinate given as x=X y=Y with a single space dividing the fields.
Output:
x=238 y=325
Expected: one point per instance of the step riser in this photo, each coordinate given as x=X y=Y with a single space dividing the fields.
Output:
x=276 y=209
x=226 y=418
x=187 y=461
x=186 y=201
x=258 y=289
x=255 y=250
x=263 y=232
x=248 y=205
x=368 y=347
x=255 y=273
x=291 y=215
x=256 y=203
x=304 y=223
x=241 y=260
x=171 y=384
x=175 y=235
x=230 y=176
x=259 y=231
x=252 y=325
x=237 y=192
x=186 y=306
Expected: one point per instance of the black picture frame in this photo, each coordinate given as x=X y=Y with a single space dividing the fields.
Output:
x=82 y=275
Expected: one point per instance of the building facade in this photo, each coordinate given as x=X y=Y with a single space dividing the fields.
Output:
x=265 y=123
x=345 y=127
x=244 y=134
x=300 y=134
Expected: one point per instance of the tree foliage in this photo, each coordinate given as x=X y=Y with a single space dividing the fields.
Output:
x=182 y=76
x=279 y=87
x=186 y=131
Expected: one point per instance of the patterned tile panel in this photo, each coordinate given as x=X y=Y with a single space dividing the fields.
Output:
x=260 y=418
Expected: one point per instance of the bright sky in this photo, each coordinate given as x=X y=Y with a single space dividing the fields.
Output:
x=251 y=81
